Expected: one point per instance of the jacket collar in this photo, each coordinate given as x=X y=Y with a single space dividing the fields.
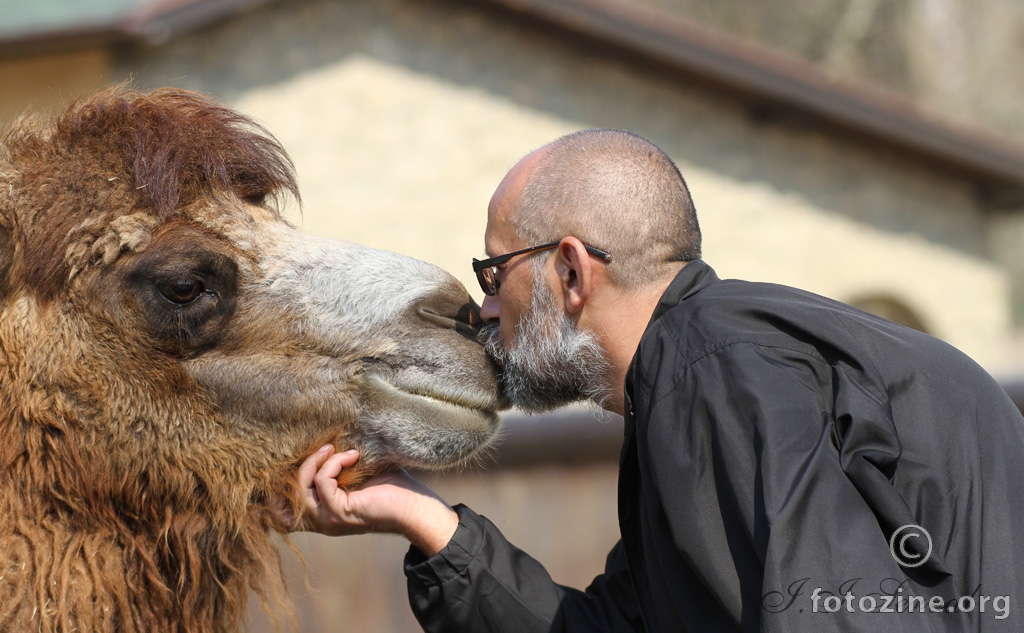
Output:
x=694 y=277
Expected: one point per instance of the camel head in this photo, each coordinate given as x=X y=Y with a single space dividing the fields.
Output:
x=170 y=350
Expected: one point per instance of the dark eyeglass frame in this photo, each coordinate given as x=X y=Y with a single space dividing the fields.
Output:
x=485 y=268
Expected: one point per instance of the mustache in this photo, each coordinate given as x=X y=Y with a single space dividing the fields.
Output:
x=549 y=364
x=494 y=343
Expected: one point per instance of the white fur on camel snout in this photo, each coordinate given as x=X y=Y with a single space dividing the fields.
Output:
x=348 y=286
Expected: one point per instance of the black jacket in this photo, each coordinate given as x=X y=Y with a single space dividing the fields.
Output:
x=776 y=442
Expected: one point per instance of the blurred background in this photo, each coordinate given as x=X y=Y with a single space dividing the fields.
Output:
x=868 y=150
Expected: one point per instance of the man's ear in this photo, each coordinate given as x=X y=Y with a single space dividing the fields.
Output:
x=575 y=273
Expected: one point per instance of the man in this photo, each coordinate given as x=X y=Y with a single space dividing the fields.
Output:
x=781 y=450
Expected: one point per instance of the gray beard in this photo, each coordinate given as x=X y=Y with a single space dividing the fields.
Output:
x=551 y=363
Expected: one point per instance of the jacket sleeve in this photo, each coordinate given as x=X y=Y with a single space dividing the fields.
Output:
x=482 y=583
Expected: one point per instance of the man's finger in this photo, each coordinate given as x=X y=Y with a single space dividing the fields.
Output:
x=312 y=464
x=326 y=480
x=349 y=457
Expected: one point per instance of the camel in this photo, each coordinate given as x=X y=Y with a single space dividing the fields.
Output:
x=171 y=349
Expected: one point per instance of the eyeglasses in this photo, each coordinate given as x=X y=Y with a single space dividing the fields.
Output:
x=486 y=269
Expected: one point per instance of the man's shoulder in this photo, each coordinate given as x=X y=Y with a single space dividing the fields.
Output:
x=726 y=313
x=732 y=311
x=726 y=296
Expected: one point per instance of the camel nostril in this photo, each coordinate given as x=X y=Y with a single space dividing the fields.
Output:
x=469 y=314
x=463 y=317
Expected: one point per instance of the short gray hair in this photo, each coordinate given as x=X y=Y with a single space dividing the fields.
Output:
x=615 y=191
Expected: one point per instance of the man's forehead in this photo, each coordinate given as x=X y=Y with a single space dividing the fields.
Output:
x=506 y=198
x=496 y=236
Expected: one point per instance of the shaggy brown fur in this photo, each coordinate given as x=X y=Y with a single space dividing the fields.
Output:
x=131 y=498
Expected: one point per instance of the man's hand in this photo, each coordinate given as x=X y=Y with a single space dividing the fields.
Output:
x=394 y=503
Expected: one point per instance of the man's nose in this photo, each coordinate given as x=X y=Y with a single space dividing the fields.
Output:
x=489 y=309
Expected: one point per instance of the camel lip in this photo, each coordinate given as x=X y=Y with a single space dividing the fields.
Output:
x=425 y=429
x=474 y=400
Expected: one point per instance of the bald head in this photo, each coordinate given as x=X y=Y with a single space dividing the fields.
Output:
x=613 y=190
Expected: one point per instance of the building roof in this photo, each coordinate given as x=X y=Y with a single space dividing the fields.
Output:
x=41 y=16
x=772 y=83
x=40 y=26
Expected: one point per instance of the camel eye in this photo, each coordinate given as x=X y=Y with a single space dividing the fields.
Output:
x=185 y=293
x=182 y=290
